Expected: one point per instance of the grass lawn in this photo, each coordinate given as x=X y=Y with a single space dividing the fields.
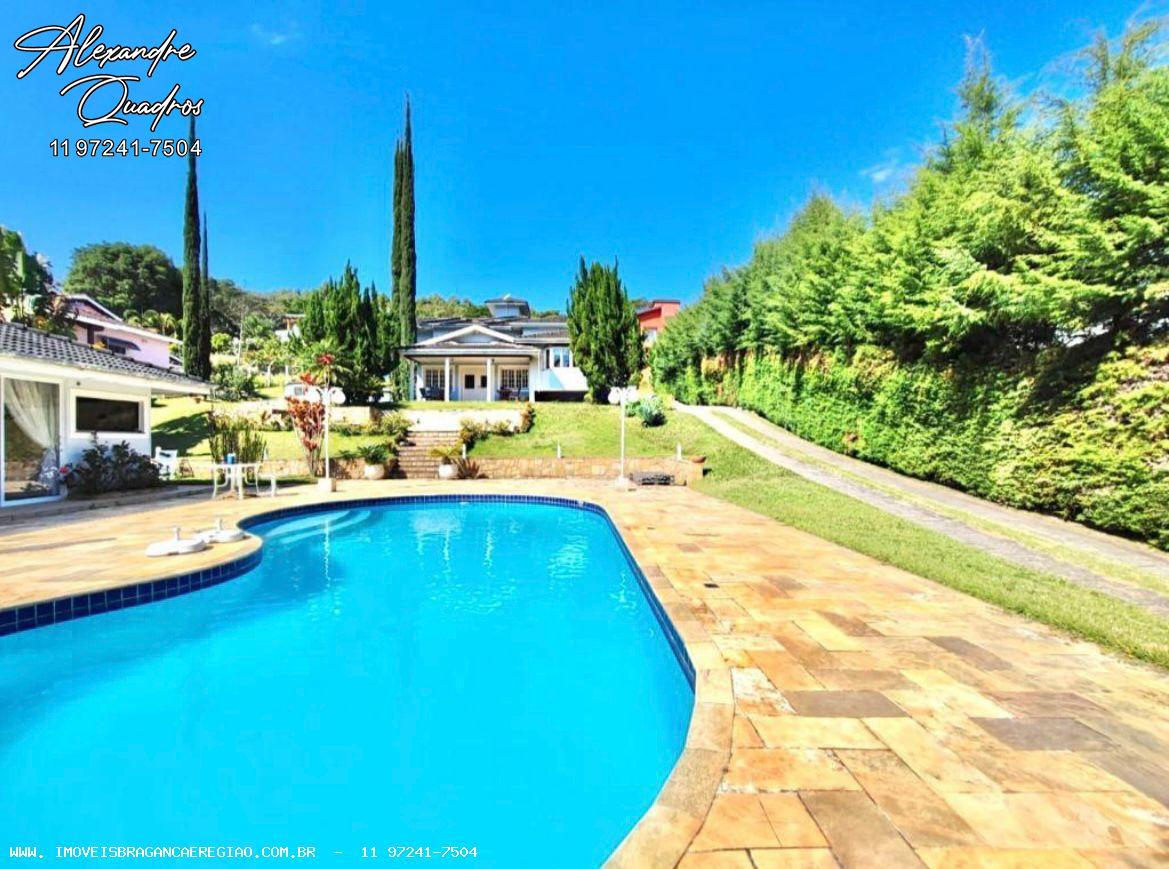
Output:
x=595 y=430
x=181 y=423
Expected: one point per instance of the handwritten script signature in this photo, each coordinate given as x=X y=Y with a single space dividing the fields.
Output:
x=105 y=96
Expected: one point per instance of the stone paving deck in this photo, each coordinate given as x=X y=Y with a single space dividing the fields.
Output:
x=846 y=712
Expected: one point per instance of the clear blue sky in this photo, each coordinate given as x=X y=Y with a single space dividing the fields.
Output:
x=669 y=135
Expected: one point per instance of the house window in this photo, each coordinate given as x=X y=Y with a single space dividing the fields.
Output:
x=513 y=378
x=559 y=357
x=469 y=381
x=432 y=378
x=107 y=414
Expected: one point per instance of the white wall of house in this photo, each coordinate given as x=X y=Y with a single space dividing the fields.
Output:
x=152 y=349
x=130 y=397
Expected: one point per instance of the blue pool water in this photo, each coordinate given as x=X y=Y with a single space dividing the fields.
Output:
x=472 y=674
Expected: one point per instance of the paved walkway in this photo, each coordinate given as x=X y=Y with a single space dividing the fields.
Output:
x=872 y=485
x=846 y=712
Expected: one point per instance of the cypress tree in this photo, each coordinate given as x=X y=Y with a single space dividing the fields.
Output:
x=603 y=330
x=205 y=308
x=403 y=257
x=194 y=319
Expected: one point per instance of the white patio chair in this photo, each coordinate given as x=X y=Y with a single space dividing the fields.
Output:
x=167 y=461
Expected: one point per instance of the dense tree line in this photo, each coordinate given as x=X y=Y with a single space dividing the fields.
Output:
x=1025 y=260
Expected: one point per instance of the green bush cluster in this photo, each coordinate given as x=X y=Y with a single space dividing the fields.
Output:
x=1099 y=456
x=649 y=409
x=111 y=468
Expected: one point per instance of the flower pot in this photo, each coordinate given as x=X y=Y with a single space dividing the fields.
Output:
x=374 y=472
x=446 y=472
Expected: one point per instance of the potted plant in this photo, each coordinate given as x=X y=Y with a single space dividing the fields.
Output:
x=447 y=456
x=375 y=456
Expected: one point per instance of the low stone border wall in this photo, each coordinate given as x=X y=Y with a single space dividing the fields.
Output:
x=684 y=472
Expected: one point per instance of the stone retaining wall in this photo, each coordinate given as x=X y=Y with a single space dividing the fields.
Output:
x=684 y=472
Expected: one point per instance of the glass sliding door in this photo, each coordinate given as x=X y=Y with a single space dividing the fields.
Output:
x=30 y=431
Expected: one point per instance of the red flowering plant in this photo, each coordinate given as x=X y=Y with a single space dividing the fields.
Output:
x=308 y=419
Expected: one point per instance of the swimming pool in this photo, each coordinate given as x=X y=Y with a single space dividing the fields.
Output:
x=482 y=674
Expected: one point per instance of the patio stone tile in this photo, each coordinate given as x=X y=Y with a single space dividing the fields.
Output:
x=859 y=833
x=709 y=725
x=975 y=654
x=1042 y=821
x=1149 y=778
x=1003 y=858
x=922 y=817
x=1047 y=704
x=743 y=733
x=783 y=670
x=735 y=821
x=795 y=731
x=858 y=680
x=794 y=858
x=844 y=704
x=783 y=769
x=790 y=820
x=938 y=766
x=1043 y=734
x=851 y=625
x=1037 y=771
x=716 y=860
x=694 y=780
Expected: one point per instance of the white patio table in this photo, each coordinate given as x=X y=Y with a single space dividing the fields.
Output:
x=235 y=477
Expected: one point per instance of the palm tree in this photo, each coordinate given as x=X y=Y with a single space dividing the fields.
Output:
x=167 y=324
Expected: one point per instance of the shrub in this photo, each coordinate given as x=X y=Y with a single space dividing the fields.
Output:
x=376 y=453
x=233 y=383
x=650 y=409
x=237 y=435
x=471 y=431
x=308 y=419
x=527 y=417
x=116 y=468
x=466 y=469
x=394 y=425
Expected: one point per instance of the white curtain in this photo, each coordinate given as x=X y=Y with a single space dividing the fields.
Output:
x=33 y=407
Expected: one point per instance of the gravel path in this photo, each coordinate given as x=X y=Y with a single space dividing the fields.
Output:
x=869 y=484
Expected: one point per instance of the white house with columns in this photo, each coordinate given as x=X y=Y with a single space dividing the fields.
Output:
x=509 y=355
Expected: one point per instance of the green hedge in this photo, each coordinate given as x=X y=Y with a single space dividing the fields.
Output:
x=1096 y=452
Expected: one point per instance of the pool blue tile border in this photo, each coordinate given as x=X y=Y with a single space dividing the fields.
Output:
x=36 y=615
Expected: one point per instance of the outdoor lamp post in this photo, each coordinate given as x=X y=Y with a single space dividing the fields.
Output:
x=328 y=396
x=618 y=395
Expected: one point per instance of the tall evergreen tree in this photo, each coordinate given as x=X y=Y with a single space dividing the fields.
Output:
x=194 y=317
x=403 y=256
x=205 y=308
x=603 y=330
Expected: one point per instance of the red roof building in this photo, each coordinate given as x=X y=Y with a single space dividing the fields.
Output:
x=653 y=317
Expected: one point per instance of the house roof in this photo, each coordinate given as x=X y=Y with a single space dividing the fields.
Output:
x=87 y=310
x=32 y=345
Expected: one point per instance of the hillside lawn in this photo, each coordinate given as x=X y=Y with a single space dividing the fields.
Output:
x=739 y=476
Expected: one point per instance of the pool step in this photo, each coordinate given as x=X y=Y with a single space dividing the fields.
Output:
x=414 y=459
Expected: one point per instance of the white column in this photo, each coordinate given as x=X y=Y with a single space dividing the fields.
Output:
x=490 y=378
x=533 y=374
x=446 y=378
